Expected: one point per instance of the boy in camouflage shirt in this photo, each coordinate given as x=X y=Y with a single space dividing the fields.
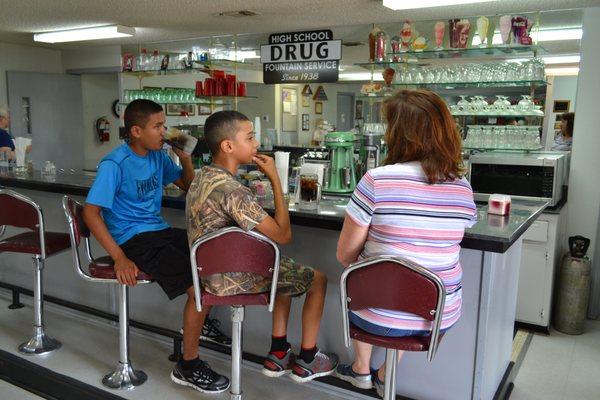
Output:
x=216 y=200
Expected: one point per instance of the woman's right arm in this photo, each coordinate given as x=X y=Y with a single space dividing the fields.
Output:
x=351 y=242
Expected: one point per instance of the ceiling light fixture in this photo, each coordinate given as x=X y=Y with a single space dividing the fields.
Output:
x=410 y=5
x=77 y=35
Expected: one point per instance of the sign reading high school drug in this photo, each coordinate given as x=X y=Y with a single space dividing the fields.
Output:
x=301 y=57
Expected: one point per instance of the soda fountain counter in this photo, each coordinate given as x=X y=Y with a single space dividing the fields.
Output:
x=474 y=357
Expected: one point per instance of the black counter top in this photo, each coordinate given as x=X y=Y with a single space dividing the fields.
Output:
x=490 y=233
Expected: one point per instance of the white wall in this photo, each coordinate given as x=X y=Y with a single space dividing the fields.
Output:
x=15 y=57
x=96 y=57
x=560 y=88
x=98 y=93
x=329 y=106
x=584 y=191
x=261 y=107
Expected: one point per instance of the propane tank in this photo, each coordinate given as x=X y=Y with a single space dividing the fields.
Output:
x=574 y=288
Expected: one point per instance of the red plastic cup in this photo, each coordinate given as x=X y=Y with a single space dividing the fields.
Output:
x=241 y=89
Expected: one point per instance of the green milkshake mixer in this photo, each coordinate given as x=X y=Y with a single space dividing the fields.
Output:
x=341 y=176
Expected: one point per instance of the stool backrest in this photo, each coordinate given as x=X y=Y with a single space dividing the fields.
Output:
x=395 y=284
x=234 y=250
x=21 y=212
x=74 y=213
x=78 y=230
x=18 y=210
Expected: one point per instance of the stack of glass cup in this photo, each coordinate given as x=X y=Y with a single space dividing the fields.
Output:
x=532 y=70
x=510 y=137
x=501 y=107
x=184 y=96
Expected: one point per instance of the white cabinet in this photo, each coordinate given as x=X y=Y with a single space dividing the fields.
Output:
x=543 y=246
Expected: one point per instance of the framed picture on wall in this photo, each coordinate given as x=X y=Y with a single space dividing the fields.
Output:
x=318 y=108
x=305 y=101
x=305 y=122
x=358 y=109
x=177 y=109
x=203 y=109
x=561 y=106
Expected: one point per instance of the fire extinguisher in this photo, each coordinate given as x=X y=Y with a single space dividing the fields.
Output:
x=103 y=129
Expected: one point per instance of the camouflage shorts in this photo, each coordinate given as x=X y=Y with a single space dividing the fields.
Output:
x=294 y=280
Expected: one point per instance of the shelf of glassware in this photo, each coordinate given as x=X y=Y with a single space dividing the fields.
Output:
x=205 y=100
x=459 y=85
x=486 y=84
x=520 y=114
x=203 y=67
x=414 y=57
x=508 y=149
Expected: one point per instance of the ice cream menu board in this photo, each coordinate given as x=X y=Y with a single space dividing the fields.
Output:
x=301 y=57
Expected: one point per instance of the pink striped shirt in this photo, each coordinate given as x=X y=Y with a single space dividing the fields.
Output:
x=410 y=218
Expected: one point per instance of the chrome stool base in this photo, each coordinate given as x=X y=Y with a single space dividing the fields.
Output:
x=124 y=378
x=40 y=343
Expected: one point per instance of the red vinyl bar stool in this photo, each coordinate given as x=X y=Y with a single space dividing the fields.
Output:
x=20 y=211
x=101 y=270
x=407 y=287
x=234 y=250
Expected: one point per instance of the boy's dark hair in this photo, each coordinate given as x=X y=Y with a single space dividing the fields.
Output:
x=138 y=113
x=220 y=126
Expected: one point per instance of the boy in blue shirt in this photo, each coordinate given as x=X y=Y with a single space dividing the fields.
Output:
x=123 y=212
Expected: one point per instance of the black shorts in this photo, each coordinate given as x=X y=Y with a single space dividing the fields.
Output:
x=166 y=256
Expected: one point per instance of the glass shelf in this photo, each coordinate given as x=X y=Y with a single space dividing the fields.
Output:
x=199 y=66
x=206 y=100
x=415 y=57
x=495 y=115
x=497 y=52
x=460 y=85
x=502 y=149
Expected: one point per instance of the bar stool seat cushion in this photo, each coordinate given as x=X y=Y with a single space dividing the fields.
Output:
x=260 y=299
x=103 y=268
x=407 y=343
x=29 y=243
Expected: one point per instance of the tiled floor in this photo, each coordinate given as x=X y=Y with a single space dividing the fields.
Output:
x=89 y=351
x=555 y=367
x=561 y=367
x=11 y=392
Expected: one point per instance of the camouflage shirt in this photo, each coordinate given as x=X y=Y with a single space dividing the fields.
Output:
x=216 y=200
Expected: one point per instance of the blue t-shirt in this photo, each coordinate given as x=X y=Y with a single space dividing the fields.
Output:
x=6 y=140
x=129 y=187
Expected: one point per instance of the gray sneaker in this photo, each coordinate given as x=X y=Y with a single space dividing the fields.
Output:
x=274 y=367
x=324 y=364
x=346 y=373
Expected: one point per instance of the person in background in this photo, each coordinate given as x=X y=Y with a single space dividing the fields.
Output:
x=122 y=211
x=217 y=200
x=416 y=206
x=564 y=140
x=7 y=144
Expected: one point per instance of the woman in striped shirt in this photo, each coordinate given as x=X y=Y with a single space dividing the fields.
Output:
x=416 y=206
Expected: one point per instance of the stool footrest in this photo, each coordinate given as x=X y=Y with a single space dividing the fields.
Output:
x=124 y=377
x=39 y=343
